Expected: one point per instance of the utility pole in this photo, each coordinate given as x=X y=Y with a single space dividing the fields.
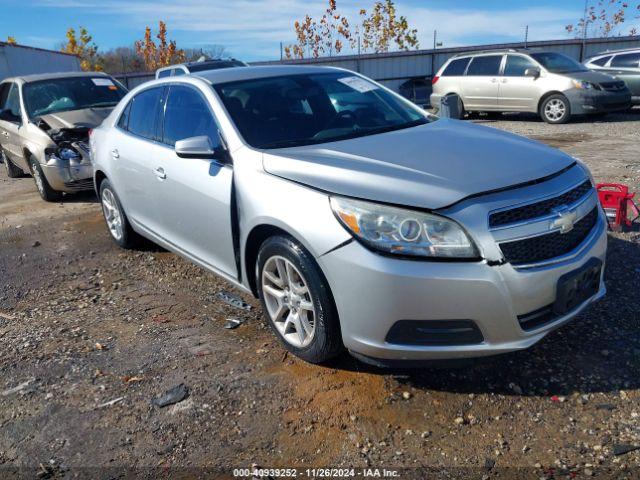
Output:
x=280 y=51
x=526 y=36
x=433 y=53
x=584 y=30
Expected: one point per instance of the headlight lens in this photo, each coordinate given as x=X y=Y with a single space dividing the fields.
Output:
x=584 y=85
x=403 y=232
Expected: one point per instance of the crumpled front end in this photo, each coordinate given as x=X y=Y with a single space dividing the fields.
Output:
x=67 y=165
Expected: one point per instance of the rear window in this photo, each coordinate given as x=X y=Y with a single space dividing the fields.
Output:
x=627 y=60
x=488 y=65
x=601 y=62
x=456 y=68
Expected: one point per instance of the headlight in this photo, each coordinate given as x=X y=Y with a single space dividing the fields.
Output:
x=403 y=232
x=579 y=84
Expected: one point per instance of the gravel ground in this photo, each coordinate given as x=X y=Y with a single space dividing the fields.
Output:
x=90 y=335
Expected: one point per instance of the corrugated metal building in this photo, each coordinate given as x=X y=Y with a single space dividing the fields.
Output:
x=22 y=60
x=408 y=72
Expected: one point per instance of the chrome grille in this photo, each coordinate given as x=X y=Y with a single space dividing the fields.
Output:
x=551 y=245
x=539 y=209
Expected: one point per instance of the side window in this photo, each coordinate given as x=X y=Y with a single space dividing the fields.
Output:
x=456 y=68
x=178 y=72
x=164 y=73
x=4 y=93
x=485 y=66
x=601 y=62
x=627 y=60
x=13 y=101
x=143 y=113
x=187 y=115
x=517 y=65
x=123 y=123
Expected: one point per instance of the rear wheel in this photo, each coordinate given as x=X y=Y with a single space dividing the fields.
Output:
x=297 y=300
x=117 y=222
x=555 y=109
x=47 y=193
x=12 y=170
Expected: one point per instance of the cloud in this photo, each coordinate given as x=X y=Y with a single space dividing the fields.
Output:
x=255 y=27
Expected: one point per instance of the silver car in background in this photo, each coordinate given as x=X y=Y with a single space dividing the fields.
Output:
x=548 y=83
x=45 y=121
x=359 y=220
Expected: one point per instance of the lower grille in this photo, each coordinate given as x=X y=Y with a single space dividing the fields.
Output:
x=79 y=185
x=434 y=333
x=551 y=245
x=612 y=86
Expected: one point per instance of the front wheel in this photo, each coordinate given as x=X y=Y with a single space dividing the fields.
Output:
x=555 y=109
x=297 y=300
x=47 y=193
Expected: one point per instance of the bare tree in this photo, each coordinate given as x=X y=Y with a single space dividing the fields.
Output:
x=606 y=18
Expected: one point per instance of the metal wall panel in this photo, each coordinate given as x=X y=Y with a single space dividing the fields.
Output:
x=18 y=60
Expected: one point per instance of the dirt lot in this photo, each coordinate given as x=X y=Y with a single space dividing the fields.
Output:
x=90 y=334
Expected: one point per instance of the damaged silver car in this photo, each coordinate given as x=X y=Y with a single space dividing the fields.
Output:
x=45 y=121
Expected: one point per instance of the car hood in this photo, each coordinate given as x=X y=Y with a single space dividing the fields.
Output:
x=87 y=118
x=590 y=76
x=430 y=166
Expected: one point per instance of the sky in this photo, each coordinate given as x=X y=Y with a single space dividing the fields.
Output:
x=253 y=29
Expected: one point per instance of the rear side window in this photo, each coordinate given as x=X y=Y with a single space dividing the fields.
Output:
x=177 y=72
x=143 y=113
x=627 y=60
x=13 y=101
x=488 y=65
x=4 y=93
x=164 y=73
x=601 y=62
x=187 y=115
x=456 y=68
x=123 y=123
x=517 y=65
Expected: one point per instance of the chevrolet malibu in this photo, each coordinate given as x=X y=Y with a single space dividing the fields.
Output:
x=359 y=220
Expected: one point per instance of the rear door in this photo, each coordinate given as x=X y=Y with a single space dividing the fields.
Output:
x=481 y=84
x=194 y=195
x=11 y=129
x=518 y=92
x=626 y=67
x=135 y=149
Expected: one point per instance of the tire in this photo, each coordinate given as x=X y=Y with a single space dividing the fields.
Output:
x=296 y=298
x=555 y=109
x=12 y=170
x=47 y=193
x=117 y=222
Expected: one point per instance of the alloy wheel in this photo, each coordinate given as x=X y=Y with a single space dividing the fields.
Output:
x=289 y=302
x=555 y=109
x=112 y=214
x=38 y=179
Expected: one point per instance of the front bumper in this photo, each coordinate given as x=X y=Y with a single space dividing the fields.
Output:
x=373 y=292
x=70 y=177
x=598 y=101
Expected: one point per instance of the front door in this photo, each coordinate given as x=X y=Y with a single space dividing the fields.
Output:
x=195 y=194
x=517 y=92
x=481 y=84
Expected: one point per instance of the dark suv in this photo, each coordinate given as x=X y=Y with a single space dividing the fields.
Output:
x=622 y=64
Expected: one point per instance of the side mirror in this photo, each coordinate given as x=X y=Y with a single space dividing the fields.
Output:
x=8 y=116
x=532 y=72
x=200 y=147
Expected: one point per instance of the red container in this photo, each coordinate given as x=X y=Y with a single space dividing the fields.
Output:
x=617 y=203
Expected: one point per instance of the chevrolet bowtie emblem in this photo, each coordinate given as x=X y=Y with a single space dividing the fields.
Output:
x=565 y=221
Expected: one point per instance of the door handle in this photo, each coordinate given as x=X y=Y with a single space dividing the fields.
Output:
x=160 y=173
x=115 y=153
x=6 y=134
x=494 y=80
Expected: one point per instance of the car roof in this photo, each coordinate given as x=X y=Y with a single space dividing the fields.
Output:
x=249 y=73
x=51 y=76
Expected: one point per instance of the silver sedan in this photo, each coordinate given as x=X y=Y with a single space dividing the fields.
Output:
x=359 y=220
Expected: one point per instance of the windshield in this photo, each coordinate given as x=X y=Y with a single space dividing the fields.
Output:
x=305 y=109
x=558 y=63
x=72 y=93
